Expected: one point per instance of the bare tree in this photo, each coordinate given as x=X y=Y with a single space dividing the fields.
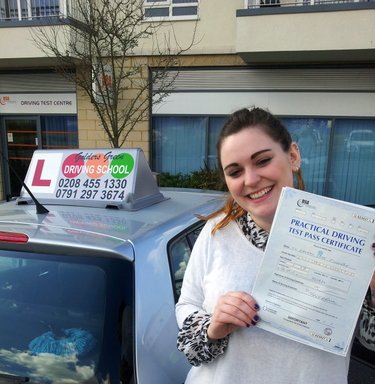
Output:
x=96 y=48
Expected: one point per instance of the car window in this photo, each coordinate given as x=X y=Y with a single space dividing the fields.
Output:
x=57 y=309
x=179 y=251
x=193 y=235
x=60 y=311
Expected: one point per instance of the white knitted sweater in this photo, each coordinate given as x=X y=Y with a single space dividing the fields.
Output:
x=227 y=261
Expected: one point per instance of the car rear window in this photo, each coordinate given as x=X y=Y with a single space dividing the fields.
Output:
x=54 y=325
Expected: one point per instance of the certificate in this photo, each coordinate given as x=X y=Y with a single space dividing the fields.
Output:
x=316 y=270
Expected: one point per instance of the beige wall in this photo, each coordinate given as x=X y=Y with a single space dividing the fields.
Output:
x=345 y=30
x=21 y=38
x=19 y=50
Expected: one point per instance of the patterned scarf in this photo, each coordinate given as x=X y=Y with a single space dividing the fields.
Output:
x=256 y=235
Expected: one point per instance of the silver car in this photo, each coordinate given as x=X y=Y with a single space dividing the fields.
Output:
x=87 y=294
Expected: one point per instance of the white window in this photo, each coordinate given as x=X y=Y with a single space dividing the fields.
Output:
x=175 y=9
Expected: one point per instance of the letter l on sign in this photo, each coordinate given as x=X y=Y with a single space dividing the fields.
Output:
x=37 y=179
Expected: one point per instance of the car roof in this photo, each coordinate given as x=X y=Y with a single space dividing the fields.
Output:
x=102 y=230
x=360 y=132
x=96 y=202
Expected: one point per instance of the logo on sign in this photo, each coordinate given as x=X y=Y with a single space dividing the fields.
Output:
x=4 y=100
x=95 y=165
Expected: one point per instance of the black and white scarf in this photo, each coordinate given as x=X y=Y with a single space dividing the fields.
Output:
x=255 y=234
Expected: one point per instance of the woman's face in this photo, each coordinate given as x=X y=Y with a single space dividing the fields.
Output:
x=256 y=169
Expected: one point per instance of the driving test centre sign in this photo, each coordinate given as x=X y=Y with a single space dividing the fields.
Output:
x=41 y=103
x=99 y=177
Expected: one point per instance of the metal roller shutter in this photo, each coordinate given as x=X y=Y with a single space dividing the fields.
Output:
x=279 y=79
x=35 y=82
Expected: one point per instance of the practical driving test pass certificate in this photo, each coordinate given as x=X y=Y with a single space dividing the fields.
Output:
x=316 y=270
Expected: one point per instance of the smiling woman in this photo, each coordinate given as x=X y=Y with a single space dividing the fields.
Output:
x=217 y=313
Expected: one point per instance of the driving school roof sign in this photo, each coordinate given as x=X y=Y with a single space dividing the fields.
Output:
x=101 y=178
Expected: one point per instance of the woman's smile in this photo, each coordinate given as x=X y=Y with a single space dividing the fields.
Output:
x=259 y=194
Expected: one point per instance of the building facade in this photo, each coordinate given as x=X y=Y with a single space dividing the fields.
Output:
x=312 y=63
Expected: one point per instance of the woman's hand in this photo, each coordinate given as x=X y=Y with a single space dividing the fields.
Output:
x=233 y=310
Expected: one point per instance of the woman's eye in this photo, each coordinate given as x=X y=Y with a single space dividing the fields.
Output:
x=263 y=162
x=234 y=173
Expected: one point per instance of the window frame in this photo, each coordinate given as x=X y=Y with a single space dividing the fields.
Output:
x=185 y=236
x=171 y=6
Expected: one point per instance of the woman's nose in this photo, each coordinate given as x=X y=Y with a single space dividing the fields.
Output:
x=251 y=177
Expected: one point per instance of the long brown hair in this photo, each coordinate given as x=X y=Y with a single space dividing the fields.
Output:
x=271 y=126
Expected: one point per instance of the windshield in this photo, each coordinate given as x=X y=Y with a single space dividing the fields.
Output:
x=60 y=321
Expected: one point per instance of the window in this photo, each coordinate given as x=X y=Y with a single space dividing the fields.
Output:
x=44 y=8
x=59 y=132
x=181 y=9
x=183 y=144
x=63 y=328
x=9 y=9
x=66 y=317
x=312 y=137
x=179 y=251
x=23 y=9
x=351 y=169
x=338 y=154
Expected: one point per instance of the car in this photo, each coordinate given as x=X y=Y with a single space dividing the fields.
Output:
x=88 y=289
x=361 y=140
x=91 y=268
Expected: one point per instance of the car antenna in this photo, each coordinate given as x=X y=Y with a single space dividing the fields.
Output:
x=40 y=209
